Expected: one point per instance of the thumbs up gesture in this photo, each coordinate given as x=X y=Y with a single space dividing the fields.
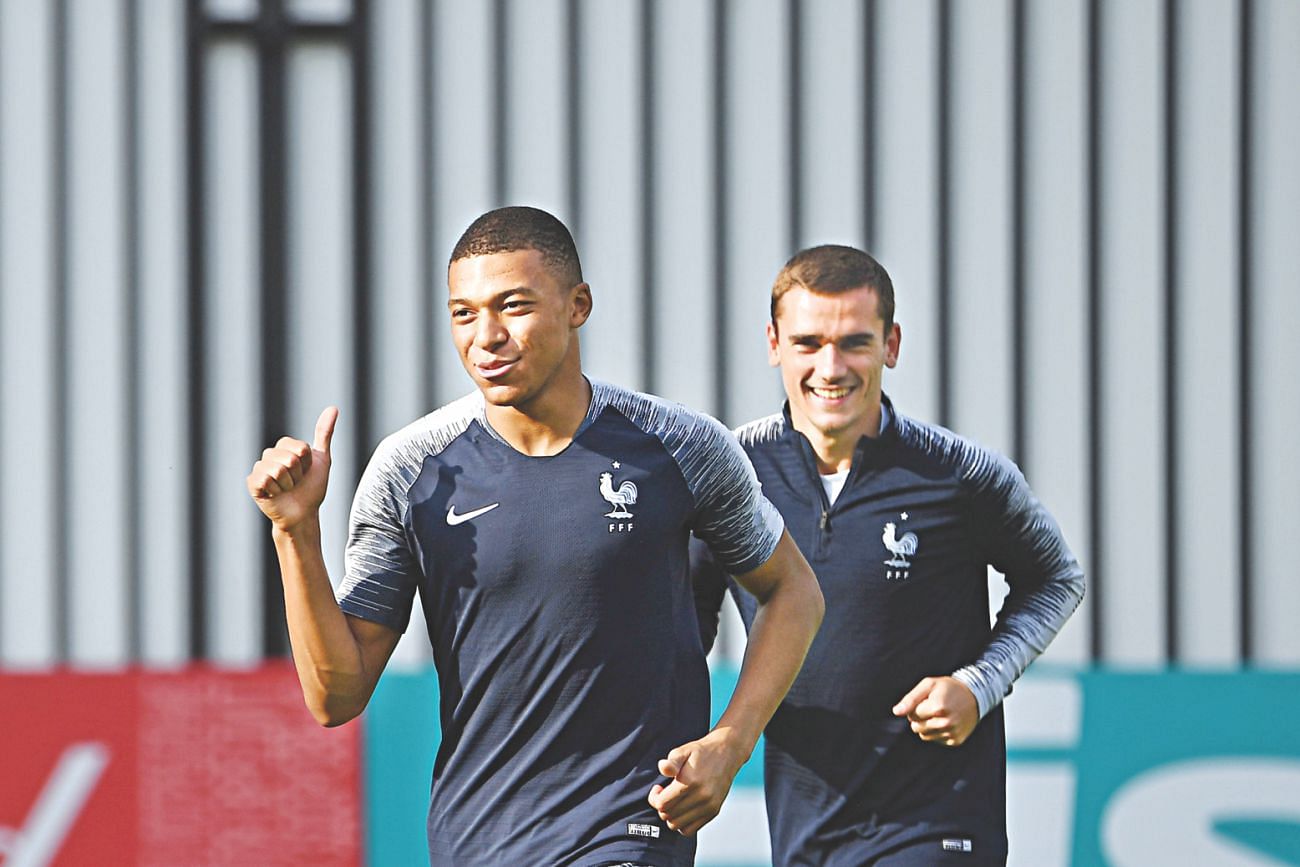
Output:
x=288 y=483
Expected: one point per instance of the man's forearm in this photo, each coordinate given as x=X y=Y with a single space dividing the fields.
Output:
x=782 y=630
x=326 y=654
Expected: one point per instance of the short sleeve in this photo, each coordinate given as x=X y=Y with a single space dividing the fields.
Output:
x=381 y=571
x=732 y=516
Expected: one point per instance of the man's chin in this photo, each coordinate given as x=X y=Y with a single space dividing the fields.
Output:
x=501 y=394
x=833 y=423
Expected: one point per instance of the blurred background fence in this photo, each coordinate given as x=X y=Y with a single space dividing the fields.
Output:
x=218 y=216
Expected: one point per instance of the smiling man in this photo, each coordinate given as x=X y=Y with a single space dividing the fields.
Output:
x=544 y=523
x=889 y=748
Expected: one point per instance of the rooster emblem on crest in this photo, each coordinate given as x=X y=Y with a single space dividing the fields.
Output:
x=900 y=548
x=620 y=498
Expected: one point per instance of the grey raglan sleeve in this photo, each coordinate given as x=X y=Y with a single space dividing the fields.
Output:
x=1021 y=539
x=732 y=516
x=380 y=570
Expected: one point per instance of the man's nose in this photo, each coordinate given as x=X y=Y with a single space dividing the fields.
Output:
x=830 y=362
x=490 y=332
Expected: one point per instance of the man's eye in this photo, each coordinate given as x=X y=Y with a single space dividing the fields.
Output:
x=461 y=314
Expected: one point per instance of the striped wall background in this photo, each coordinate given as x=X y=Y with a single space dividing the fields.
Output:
x=217 y=217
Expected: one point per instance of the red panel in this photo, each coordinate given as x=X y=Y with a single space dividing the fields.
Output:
x=68 y=766
x=200 y=767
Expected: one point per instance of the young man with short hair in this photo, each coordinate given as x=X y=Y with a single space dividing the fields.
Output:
x=889 y=749
x=544 y=522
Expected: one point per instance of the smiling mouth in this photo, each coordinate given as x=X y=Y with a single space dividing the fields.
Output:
x=495 y=369
x=836 y=393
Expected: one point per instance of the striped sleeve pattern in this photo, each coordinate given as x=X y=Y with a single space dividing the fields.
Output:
x=732 y=516
x=1022 y=540
x=381 y=572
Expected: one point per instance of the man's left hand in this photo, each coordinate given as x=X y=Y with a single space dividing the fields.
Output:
x=700 y=774
x=942 y=710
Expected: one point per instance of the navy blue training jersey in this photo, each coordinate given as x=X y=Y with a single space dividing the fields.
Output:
x=902 y=559
x=558 y=601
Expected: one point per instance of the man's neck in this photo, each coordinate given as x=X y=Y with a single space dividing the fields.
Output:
x=834 y=450
x=546 y=424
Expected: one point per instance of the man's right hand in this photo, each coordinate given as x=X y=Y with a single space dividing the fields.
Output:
x=288 y=483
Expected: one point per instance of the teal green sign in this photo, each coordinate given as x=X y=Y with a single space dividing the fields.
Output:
x=1166 y=768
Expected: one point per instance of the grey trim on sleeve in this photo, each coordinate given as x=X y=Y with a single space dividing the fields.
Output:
x=1047 y=583
x=380 y=571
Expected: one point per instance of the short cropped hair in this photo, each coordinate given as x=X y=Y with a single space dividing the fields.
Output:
x=831 y=269
x=506 y=230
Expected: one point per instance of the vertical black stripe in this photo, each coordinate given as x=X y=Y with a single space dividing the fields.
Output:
x=359 y=35
x=720 y=210
x=501 y=102
x=1245 y=338
x=62 y=409
x=943 y=210
x=1019 y=355
x=1096 y=487
x=196 y=208
x=794 y=137
x=869 y=125
x=1171 y=330
x=273 y=208
x=574 y=99
x=649 y=237
x=431 y=279
x=131 y=330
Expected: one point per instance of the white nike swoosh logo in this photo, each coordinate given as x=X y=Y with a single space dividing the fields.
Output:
x=453 y=519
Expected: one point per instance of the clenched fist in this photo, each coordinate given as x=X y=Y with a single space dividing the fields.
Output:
x=288 y=483
x=941 y=710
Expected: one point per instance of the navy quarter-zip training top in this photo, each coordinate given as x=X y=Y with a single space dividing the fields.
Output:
x=902 y=557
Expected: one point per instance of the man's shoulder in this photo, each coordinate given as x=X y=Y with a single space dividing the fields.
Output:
x=761 y=431
x=969 y=462
x=672 y=422
x=430 y=434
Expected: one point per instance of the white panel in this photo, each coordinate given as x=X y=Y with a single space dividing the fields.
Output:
x=1275 y=225
x=328 y=11
x=1044 y=712
x=396 y=292
x=980 y=233
x=232 y=375
x=1209 y=534
x=320 y=343
x=738 y=834
x=906 y=204
x=831 y=124
x=163 y=358
x=1040 y=813
x=536 y=127
x=98 y=365
x=1055 y=267
x=27 y=319
x=981 y=264
x=231 y=9
x=1132 y=331
x=684 y=342
x=758 y=201
x=611 y=229
x=464 y=71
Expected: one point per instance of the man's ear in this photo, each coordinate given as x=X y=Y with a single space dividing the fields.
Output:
x=579 y=305
x=773 y=345
x=892 y=343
